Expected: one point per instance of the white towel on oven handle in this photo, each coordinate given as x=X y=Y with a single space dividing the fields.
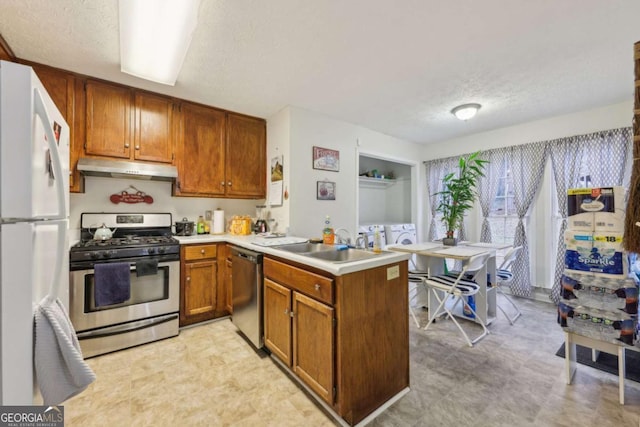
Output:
x=61 y=371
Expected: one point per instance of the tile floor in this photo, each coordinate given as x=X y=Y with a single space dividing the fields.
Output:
x=209 y=376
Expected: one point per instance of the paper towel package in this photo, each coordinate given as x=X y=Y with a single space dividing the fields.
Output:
x=596 y=209
x=595 y=252
x=599 y=291
x=615 y=327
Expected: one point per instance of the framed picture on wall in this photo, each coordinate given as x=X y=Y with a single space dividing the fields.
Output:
x=326 y=159
x=326 y=190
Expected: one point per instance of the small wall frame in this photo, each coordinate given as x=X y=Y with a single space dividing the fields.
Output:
x=325 y=190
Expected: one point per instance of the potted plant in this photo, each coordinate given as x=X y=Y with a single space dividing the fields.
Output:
x=459 y=192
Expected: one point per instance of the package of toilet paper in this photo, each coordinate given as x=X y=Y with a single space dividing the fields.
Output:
x=595 y=252
x=598 y=209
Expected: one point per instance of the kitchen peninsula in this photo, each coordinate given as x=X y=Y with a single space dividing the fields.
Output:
x=339 y=329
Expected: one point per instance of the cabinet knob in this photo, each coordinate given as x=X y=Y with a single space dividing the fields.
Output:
x=202 y=251
x=188 y=278
x=229 y=183
x=317 y=287
x=222 y=183
x=126 y=145
x=286 y=311
x=137 y=147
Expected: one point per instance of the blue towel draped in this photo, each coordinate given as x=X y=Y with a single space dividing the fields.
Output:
x=112 y=283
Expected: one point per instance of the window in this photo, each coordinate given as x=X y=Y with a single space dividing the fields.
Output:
x=503 y=216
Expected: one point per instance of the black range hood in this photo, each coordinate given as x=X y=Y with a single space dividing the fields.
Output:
x=124 y=169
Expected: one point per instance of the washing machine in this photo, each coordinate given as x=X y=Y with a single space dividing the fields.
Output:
x=404 y=234
x=370 y=230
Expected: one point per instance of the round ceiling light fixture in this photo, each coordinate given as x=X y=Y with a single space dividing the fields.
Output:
x=466 y=111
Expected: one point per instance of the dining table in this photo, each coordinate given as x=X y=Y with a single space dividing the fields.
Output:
x=430 y=257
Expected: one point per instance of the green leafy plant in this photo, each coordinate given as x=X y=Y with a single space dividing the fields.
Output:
x=459 y=191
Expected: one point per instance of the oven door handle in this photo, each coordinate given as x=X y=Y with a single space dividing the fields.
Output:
x=128 y=327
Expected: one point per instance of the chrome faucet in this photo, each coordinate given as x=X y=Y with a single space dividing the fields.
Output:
x=362 y=241
x=340 y=239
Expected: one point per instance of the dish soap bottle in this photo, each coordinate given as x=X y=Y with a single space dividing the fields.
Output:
x=327 y=232
x=200 y=225
x=377 y=241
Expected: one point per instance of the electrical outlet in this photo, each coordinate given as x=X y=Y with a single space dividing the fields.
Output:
x=208 y=215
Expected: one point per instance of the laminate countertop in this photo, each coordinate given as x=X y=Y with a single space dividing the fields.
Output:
x=255 y=243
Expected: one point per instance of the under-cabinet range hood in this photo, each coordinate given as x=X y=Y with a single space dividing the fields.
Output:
x=123 y=169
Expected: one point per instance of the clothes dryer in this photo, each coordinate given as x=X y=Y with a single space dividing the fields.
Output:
x=404 y=234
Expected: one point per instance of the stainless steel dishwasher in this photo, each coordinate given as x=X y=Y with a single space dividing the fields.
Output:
x=247 y=280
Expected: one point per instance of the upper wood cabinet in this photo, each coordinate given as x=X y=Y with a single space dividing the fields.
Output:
x=153 y=128
x=200 y=151
x=128 y=124
x=220 y=154
x=61 y=88
x=217 y=153
x=245 y=163
x=108 y=120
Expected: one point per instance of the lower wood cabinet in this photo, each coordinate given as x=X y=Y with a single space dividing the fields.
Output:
x=313 y=344
x=198 y=283
x=345 y=337
x=298 y=329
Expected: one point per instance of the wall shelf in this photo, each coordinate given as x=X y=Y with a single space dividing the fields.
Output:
x=375 y=182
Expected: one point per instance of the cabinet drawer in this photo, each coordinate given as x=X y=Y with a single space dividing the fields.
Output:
x=311 y=284
x=200 y=252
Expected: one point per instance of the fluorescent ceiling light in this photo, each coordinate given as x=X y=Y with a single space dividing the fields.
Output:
x=155 y=36
x=466 y=111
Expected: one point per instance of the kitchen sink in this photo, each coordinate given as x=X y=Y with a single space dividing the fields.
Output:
x=346 y=255
x=304 y=248
x=327 y=252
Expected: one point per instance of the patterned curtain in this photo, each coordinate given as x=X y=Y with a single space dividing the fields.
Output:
x=527 y=166
x=601 y=151
x=565 y=161
x=436 y=170
x=487 y=188
x=600 y=154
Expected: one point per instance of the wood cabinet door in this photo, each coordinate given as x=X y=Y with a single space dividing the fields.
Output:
x=199 y=291
x=313 y=345
x=61 y=88
x=246 y=169
x=200 y=154
x=277 y=320
x=153 y=138
x=108 y=120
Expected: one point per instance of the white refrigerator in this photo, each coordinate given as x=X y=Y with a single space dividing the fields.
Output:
x=34 y=206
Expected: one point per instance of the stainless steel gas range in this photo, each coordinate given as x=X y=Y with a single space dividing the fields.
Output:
x=124 y=290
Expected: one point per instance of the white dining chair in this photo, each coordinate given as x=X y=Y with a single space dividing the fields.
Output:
x=416 y=283
x=505 y=277
x=458 y=287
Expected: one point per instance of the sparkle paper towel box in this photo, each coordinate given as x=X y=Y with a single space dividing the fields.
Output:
x=595 y=252
x=596 y=209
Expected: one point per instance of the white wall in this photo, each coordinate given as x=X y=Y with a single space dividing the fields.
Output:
x=609 y=117
x=279 y=143
x=542 y=220
x=386 y=205
x=98 y=190
x=308 y=129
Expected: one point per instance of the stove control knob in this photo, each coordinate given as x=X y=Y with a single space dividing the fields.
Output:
x=94 y=255
x=162 y=249
x=106 y=254
x=151 y=251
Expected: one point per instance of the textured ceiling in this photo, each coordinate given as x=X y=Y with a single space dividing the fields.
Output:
x=397 y=67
